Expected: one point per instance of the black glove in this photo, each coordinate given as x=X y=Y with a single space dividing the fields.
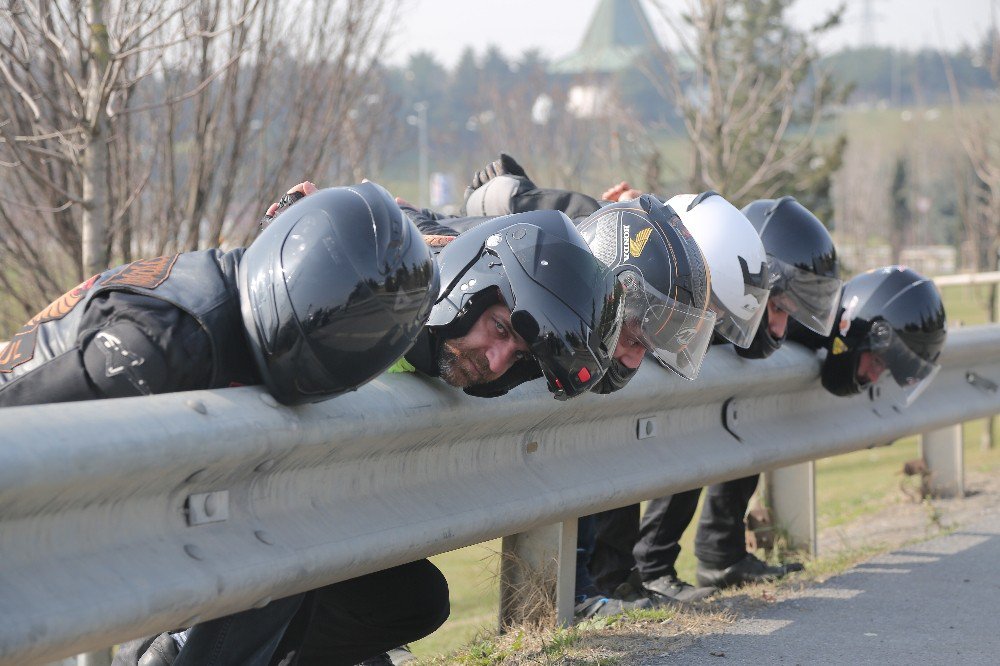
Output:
x=284 y=202
x=505 y=165
x=500 y=201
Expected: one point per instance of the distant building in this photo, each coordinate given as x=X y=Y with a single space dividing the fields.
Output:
x=618 y=39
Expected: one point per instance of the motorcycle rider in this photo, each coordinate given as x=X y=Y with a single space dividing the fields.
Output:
x=805 y=285
x=323 y=301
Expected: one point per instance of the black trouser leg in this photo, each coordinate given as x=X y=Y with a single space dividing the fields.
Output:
x=586 y=534
x=248 y=638
x=612 y=559
x=721 y=538
x=660 y=533
x=366 y=616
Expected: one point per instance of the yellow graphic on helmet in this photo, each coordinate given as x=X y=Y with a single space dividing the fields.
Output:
x=638 y=244
x=838 y=346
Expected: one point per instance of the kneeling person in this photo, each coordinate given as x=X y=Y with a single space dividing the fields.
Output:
x=309 y=319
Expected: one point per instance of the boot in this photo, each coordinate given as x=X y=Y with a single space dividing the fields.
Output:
x=748 y=570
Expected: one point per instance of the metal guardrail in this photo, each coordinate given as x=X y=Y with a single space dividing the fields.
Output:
x=128 y=517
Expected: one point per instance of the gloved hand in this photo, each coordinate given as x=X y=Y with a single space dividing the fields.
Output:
x=505 y=165
x=494 y=188
x=291 y=196
x=276 y=208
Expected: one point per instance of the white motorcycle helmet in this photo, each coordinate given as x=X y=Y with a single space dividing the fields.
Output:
x=736 y=260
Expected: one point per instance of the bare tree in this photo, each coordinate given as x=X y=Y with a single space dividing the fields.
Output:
x=145 y=126
x=63 y=62
x=978 y=129
x=751 y=97
x=298 y=97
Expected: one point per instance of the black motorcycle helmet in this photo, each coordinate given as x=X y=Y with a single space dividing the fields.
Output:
x=666 y=282
x=896 y=314
x=334 y=291
x=803 y=267
x=564 y=303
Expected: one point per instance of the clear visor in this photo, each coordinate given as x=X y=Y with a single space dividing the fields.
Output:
x=739 y=325
x=911 y=374
x=810 y=299
x=677 y=335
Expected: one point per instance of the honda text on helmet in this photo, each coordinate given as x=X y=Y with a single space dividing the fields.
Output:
x=667 y=285
x=801 y=259
x=893 y=321
x=564 y=303
x=334 y=291
x=736 y=261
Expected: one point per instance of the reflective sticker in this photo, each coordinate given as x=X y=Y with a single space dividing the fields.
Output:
x=848 y=316
x=120 y=361
x=21 y=347
x=839 y=347
x=638 y=244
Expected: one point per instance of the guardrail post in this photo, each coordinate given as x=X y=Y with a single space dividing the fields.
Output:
x=791 y=494
x=98 y=658
x=942 y=452
x=537 y=573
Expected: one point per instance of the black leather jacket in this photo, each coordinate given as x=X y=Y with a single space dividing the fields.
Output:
x=158 y=325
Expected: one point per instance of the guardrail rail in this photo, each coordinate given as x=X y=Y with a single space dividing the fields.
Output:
x=122 y=518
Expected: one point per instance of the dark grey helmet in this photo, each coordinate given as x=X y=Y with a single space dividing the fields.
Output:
x=334 y=291
x=896 y=314
x=564 y=303
x=802 y=261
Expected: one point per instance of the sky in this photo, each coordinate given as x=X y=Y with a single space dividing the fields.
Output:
x=555 y=27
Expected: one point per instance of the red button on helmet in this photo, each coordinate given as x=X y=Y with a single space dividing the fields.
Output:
x=584 y=375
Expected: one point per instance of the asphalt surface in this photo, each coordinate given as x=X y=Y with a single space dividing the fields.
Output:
x=936 y=602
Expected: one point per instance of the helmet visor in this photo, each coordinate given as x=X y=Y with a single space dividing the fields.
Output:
x=739 y=325
x=810 y=299
x=677 y=335
x=911 y=374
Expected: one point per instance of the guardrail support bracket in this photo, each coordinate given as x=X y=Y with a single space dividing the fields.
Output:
x=537 y=572
x=943 y=453
x=791 y=493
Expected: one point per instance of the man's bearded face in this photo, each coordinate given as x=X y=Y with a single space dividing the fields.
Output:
x=485 y=353
x=461 y=366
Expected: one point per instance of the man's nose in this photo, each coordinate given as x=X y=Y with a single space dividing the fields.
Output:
x=631 y=357
x=777 y=322
x=501 y=357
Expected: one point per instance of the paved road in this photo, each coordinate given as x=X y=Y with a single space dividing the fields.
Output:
x=936 y=602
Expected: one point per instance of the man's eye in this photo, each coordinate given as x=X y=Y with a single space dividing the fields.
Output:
x=500 y=327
